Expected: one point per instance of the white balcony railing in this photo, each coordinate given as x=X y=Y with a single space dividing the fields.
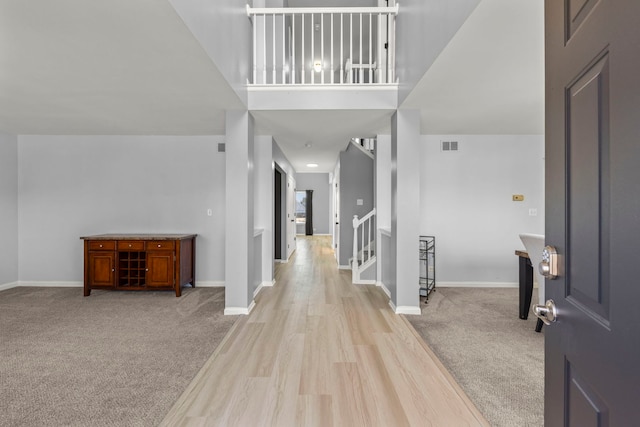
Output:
x=340 y=45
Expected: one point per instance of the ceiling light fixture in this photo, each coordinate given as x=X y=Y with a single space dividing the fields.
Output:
x=312 y=165
x=317 y=66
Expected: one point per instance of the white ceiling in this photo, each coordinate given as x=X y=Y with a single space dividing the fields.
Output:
x=327 y=131
x=133 y=67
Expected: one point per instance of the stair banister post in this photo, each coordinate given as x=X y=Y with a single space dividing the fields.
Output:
x=355 y=272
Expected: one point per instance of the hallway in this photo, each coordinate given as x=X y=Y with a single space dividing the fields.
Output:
x=318 y=350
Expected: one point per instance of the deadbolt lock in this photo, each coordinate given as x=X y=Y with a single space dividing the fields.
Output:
x=548 y=267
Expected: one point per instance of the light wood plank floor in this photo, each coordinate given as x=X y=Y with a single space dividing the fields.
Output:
x=320 y=351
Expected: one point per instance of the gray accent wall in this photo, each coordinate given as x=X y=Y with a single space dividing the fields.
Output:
x=71 y=186
x=423 y=30
x=356 y=182
x=8 y=209
x=466 y=202
x=319 y=183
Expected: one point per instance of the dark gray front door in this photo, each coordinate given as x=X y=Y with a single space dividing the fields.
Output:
x=592 y=363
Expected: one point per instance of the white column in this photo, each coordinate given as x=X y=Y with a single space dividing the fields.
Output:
x=405 y=209
x=239 y=212
x=263 y=207
x=382 y=191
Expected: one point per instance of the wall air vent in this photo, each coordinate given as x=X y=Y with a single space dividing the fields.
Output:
x=449 y=145
x=221 y=147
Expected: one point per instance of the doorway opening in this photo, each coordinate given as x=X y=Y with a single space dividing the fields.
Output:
x=301 y=211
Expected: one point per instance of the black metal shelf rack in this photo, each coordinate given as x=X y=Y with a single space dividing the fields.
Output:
x=427 y=266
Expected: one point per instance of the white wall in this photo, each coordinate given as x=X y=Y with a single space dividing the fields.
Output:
x=264 y=198
x=214 y=24
x=8 y=209
x=423 y=29
x=282 y=161
x=288 y=232
x=319 y=183
x=71 y=186
x=466 y=202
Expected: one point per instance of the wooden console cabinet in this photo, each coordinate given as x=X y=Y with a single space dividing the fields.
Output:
x=139 y=262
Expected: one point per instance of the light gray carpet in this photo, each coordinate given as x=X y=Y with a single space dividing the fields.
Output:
x=496 y=358
x=111 y=359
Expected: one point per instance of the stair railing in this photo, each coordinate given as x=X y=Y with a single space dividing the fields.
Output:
x=363 y=253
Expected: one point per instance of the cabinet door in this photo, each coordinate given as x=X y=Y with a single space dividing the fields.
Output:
x=160 y=269
x=102 y=267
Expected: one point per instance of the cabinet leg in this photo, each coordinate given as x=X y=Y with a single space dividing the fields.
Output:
x=87 y=291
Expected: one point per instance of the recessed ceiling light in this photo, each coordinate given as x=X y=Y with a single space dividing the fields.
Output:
x=312 y=165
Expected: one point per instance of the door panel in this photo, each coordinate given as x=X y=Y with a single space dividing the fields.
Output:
x=592 y=377
x=585 y=408
x=577 y=12
x=588 y=189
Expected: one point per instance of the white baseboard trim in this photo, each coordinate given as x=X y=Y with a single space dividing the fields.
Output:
x=384 y=289
x=477 y=284
x=210 y=284
x=234 y=311
x=344 y=267
x=264 y=284
x=366 y=282
x=9 y=285
x=281 y=261
x=258 y=289
x=392 y=305
x=408 y=309
x=50 y=284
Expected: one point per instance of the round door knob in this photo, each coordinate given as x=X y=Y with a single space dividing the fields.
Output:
x=159 y=246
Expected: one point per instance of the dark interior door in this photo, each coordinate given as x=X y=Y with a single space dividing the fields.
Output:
x=277 y=214
x=592 y=351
